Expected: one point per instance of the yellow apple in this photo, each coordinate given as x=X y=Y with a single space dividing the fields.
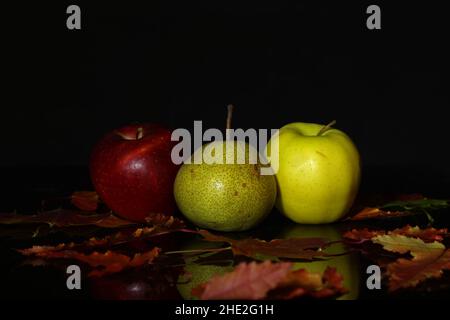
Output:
x=318 y=172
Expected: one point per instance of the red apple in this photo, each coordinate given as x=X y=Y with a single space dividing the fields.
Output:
x=133 y=173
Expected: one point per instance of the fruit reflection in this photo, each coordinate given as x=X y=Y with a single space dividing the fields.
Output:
x=347 y=265
x=201 y=270
x=198 y=272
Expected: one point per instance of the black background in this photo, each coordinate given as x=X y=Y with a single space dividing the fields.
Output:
x=175 y=62
x=278 y=62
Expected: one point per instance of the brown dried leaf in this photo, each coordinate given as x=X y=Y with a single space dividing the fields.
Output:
x=428 y=234
x=429 y=260
x=292 y=248
x=85 y=200
x=405 y=273
x=165 y=221
x=371 y=213
x=66 y=218
x=250 y=281
x=103 y=263
x=267 y=280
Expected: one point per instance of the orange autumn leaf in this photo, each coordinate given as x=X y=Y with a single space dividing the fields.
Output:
x=102 y=263
x=370 y=213
x=427 y=235
x=429 y=260
x=408 y=273
x=169 y=224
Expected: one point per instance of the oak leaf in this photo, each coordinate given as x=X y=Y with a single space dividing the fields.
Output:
x=268 y=280
x=429 y=260
x=66 y=218
x=168 y=224
x=292 y=248
x=249 y=281
x=103 y=263
x=428 y=234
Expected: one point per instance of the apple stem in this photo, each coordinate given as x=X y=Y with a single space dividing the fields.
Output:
x=326 y=128
x=230 y=108
x=139 y=133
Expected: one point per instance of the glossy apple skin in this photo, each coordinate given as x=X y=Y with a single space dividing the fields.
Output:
x=318 y=176
x=133 y=173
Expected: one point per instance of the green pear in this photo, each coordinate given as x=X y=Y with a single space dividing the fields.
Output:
x=226 y=192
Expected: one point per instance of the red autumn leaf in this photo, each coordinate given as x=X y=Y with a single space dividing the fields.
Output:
x=362 y=234
x=267 y=280
x=301 y=283
x=169 y=224
x=292 y=248
x=66 y=218
x=165 y=221
x=428 y=260
x=85 y=200
x=428 y=234
x=103 y=263
x=250 y=281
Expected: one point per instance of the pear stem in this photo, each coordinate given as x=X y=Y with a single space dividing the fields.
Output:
x=326 y=128
x=230 y=108
x=139 y=133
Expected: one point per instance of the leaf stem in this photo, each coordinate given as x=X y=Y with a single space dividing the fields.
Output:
x=198 y=250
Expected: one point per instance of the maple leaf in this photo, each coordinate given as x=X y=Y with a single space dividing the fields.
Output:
x=292 y=248
x=103 y=263
x=268 y=280
x=429 y=260
x=85 y=200
x=66 y=218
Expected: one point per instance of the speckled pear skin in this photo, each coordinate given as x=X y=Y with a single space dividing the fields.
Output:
x=225 y=197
